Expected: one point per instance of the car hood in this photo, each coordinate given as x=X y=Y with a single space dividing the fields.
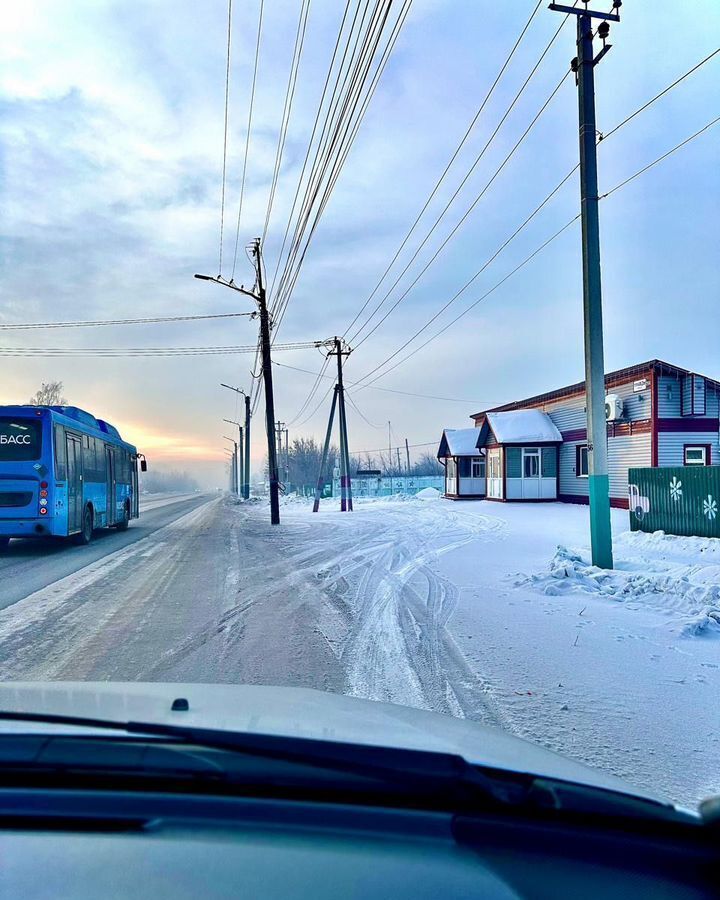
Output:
x=297 y=712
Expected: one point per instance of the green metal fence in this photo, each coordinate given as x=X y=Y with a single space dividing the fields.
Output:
x=683 y=500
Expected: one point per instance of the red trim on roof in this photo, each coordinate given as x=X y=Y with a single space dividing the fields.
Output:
x=611 y=380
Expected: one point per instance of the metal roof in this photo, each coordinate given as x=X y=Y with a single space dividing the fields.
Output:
x=638 y=369
x=459 y=442
x=523 y=426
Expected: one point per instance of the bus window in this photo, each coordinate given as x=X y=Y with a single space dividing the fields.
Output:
x=60 y=454
x=20 y=439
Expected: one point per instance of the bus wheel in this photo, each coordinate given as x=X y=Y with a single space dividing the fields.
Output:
x=85 y=535
x=125 y=521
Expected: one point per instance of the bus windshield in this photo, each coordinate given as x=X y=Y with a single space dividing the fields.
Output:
x=20 y=439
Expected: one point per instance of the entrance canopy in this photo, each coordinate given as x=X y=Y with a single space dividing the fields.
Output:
x=459 y=442
x=523 y=426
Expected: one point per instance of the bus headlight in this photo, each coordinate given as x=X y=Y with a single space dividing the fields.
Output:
x=43 y=511
x=43 y=502
x=43 y=493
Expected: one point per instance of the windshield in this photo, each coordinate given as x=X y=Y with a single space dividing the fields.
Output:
x=20 y=439
x=376 y=345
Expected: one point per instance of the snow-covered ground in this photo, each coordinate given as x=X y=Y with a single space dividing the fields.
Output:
x=485 y=610
x=493 y=611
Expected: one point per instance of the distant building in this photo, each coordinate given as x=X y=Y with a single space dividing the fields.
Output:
x=536 y=449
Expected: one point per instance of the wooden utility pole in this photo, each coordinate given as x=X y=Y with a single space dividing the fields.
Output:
x=598 y=482
x=407 y=455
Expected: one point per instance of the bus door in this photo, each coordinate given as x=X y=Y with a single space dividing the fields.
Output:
x=111 y=481
x=135 y=489
x=74 y=481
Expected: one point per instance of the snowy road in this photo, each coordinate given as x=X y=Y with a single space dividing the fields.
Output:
x=465 y=608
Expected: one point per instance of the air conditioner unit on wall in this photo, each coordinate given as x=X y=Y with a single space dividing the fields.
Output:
x=614 y=407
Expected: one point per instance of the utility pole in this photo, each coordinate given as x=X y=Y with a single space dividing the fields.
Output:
x=240 y=463
x=407 y=455
x=598 y=484
x=326 y=446
x=233 y=477
x=246 y=466
x=258 y=295
x=346 y=504
x=340 y=349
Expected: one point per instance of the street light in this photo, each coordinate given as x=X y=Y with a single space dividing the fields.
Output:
x=259 y=296
x=241 y=454
x=246 y=465
x=234 y=463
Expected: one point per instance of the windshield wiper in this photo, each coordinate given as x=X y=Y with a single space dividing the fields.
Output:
x=443 y=780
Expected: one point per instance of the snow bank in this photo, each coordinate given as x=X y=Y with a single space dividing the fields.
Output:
x=428 y=493
x=679 y=576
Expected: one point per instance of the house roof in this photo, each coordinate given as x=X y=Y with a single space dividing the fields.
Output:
x=523 y=426
x=459 y=442
x=611 y=379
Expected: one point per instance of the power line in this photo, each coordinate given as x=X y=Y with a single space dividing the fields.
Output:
x=538 y=208
x=390 y=390
x=143 y=351
x=334 y=120
x=145 y=321
x=287 y=108
x=463 y=219
x=333 y=149
x=356 y=127
x=310 y=143
x=660 y=158
x=225 y=137
x=488 y=143
x=448 y=166
x=247 y=136
x=360 y=413
x=538 y=250
x=662 y=93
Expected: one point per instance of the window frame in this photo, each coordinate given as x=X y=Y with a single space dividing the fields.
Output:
x=706 y=452
x=530 y=453
x=578 y=461
x=479 y=462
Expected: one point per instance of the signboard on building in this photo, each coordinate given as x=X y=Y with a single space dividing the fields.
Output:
x=641 y=384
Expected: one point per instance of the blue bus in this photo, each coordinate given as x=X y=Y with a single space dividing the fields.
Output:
x=63 y=472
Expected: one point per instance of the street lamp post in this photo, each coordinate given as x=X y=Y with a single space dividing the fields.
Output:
x=241 y=455
x=259 y=297
x=246 y=467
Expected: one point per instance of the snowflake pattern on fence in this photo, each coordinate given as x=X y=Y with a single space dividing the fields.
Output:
x=676 y=489
x=710 y=507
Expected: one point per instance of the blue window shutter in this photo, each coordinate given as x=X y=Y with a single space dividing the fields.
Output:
x=513 y=462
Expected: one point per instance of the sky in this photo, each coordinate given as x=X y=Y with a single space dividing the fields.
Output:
x=111 y=142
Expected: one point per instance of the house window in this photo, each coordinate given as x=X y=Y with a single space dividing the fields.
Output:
x=478 y=467
x=451 y=467
x=531 y=462
x=581 y=461
x=696 y=455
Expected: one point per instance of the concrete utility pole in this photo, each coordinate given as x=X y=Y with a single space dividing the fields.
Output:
x=598 y=484
x=241 y=456
x=233 y=476
x=326 y=446
x=258 y=295
x=346 y=504
x=340 y=349
x=407 y=455
x=245 y=484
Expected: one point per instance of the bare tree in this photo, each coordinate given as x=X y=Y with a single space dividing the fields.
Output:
x=50 y=394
